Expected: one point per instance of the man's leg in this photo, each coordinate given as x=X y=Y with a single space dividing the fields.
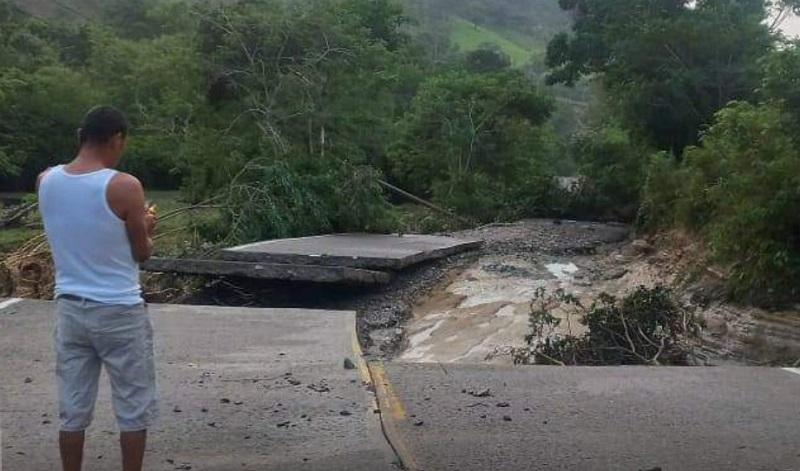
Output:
x=132 y=444
x=126 y=349
x=71 y=446
x=77 y=375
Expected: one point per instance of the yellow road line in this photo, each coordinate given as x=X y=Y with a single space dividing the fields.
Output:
x=393 y=412
x=387 y=402
x=383 y=387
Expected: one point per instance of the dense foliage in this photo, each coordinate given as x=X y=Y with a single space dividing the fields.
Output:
x=666 y=67
x=740 y=188
x=474 y=140
x=289 y=114
x=712 y=90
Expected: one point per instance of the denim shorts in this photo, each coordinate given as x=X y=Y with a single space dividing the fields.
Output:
x=91 y=335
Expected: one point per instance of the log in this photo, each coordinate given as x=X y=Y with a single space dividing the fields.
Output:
x=18 y=214
x=423 y=202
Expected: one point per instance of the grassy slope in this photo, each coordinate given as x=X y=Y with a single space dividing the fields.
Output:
x=468 y=36
x=65 y=9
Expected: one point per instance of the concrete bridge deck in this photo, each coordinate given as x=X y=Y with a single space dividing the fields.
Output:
x=355 y=259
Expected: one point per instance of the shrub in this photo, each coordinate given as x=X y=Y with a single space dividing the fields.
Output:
x=613 y=164
x=660 y=193
x=269 y=200
x=646 y=327
x=741 y=189
x=750 y=165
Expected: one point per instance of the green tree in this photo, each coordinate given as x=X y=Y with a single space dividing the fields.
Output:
x=666 y=66
x=469 y=139
x=487 y=58
x=613 y=164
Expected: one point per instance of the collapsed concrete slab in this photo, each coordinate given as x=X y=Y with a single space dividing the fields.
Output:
x=369 y=251
x=269 y=271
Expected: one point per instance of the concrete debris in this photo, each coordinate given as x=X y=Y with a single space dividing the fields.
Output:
x=321 y=387
x=480 y=393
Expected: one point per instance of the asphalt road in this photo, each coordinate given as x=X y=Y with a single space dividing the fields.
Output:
x=261 y=389
x=632 y=418
x=236 y=388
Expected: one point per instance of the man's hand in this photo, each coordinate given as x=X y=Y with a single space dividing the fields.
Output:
x=151 y=220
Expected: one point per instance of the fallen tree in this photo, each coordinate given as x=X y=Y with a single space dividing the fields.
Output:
x=647 y=327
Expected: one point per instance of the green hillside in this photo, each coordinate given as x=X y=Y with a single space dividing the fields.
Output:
x=469 y=36
x=66 y=9
x=522 y=28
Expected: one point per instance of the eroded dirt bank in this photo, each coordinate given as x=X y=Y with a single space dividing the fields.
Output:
x=479 y=313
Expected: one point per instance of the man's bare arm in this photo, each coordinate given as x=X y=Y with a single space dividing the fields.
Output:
x=126 y=199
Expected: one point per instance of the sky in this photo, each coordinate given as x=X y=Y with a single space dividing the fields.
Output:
x=791 y=26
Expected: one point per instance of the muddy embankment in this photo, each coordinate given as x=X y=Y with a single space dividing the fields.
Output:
x=478 y=312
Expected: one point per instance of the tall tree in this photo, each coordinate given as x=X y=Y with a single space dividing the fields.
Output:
x=667 y=65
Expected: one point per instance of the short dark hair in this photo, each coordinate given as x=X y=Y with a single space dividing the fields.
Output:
x=102 y=123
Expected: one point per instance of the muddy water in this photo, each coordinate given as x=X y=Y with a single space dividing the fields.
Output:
x=481 y=314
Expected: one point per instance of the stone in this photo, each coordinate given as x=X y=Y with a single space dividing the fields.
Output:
x=641 y=247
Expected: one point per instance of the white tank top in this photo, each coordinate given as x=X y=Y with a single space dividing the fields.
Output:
x=90 y=245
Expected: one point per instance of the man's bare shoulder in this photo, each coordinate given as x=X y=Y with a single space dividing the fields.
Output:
x=125 y=194
x=41 y=176
x=125 y=184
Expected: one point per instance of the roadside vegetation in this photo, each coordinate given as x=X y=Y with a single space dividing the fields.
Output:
x=646 y=327
x=289 y=114
x=697 y=129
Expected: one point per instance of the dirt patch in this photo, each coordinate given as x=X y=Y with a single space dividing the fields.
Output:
x=734 y=334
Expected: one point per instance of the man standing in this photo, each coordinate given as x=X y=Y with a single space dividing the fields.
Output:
x=99 y=231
